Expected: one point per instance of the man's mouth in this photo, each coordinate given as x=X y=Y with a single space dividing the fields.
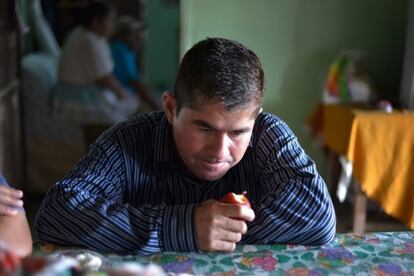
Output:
x=214 y=164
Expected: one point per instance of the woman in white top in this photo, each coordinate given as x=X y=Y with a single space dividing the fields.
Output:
x=87 y=91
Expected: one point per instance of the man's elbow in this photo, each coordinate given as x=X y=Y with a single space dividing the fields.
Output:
x=325 y=232
x=328 y=236
x=45 y=233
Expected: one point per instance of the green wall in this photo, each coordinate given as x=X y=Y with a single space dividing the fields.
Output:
x=296 y=40
x=162 y=44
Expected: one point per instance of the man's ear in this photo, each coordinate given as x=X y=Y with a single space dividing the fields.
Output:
x=170 y=105
x=257 y=112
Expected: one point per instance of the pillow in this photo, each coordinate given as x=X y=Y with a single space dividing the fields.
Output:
x=42 y=32
x=39 y=75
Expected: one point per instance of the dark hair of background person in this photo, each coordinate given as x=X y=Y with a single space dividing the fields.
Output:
x=219 y=69
x=96 y=8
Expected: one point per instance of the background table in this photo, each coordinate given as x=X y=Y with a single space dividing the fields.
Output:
x=348 y=254
x=380 y=146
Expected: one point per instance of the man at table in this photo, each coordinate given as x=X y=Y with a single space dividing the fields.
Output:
x=152 y=183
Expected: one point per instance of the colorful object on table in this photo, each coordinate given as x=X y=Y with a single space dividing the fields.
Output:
x=236 y=199
x=345 y=81
x=34 y=264
x=9 y=262
x=132 y=269
x=336 y=83
x=348 y=254
x=385 y=105
x=85 y=259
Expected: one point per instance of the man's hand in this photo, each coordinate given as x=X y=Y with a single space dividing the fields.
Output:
x=9 y=200
x=216 y=228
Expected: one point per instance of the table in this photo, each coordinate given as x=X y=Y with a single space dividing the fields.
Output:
x=380 y=147
x=389 y=253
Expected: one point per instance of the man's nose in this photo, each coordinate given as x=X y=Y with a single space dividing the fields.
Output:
x=220 y=147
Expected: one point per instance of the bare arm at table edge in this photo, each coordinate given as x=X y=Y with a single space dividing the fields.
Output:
x=14 y=229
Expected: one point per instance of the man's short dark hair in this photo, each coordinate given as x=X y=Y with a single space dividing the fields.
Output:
x=96 y=8
x=222 y=70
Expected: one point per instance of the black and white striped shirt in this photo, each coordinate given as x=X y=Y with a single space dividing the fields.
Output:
x=130 y=194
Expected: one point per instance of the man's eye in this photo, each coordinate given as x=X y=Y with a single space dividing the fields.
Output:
x=237 y=133
x=205 y=129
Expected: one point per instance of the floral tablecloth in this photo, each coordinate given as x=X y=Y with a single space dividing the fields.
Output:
x=349 y=254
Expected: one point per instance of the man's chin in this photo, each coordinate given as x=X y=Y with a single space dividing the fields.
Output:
x=211 y=176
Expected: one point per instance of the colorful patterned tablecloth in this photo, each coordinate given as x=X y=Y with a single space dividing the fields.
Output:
x=349 y=254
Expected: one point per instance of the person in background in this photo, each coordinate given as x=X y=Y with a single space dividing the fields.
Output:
x=124 y=47
x=14 y=229
x=87 y=90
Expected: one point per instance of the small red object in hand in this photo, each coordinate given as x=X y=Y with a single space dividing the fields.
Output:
x=236 y=199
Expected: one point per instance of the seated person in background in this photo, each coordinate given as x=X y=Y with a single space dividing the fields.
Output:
x=14 y=229
x=124 y=46
x=153 y=183
x=87 y=90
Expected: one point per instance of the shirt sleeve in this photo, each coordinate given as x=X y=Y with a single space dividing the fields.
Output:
x=88 y=209
x=296 y=208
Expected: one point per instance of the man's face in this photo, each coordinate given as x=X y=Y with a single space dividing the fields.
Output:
x=211 y=139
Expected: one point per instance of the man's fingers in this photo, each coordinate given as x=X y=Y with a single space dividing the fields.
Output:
x=225 y=246
x=237 y=211
x=219 y=226
x=231 y=236
x=234 y=225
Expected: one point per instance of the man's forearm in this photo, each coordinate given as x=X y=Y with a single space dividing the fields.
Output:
x=296 y=207
x=98 y=224
x=301 y=213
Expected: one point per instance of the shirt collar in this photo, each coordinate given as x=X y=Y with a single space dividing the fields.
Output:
x=164 y=142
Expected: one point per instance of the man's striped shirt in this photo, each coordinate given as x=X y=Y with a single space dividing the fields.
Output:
x=131 y=193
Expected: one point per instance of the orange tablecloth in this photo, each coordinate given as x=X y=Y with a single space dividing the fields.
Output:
x=381 y=148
